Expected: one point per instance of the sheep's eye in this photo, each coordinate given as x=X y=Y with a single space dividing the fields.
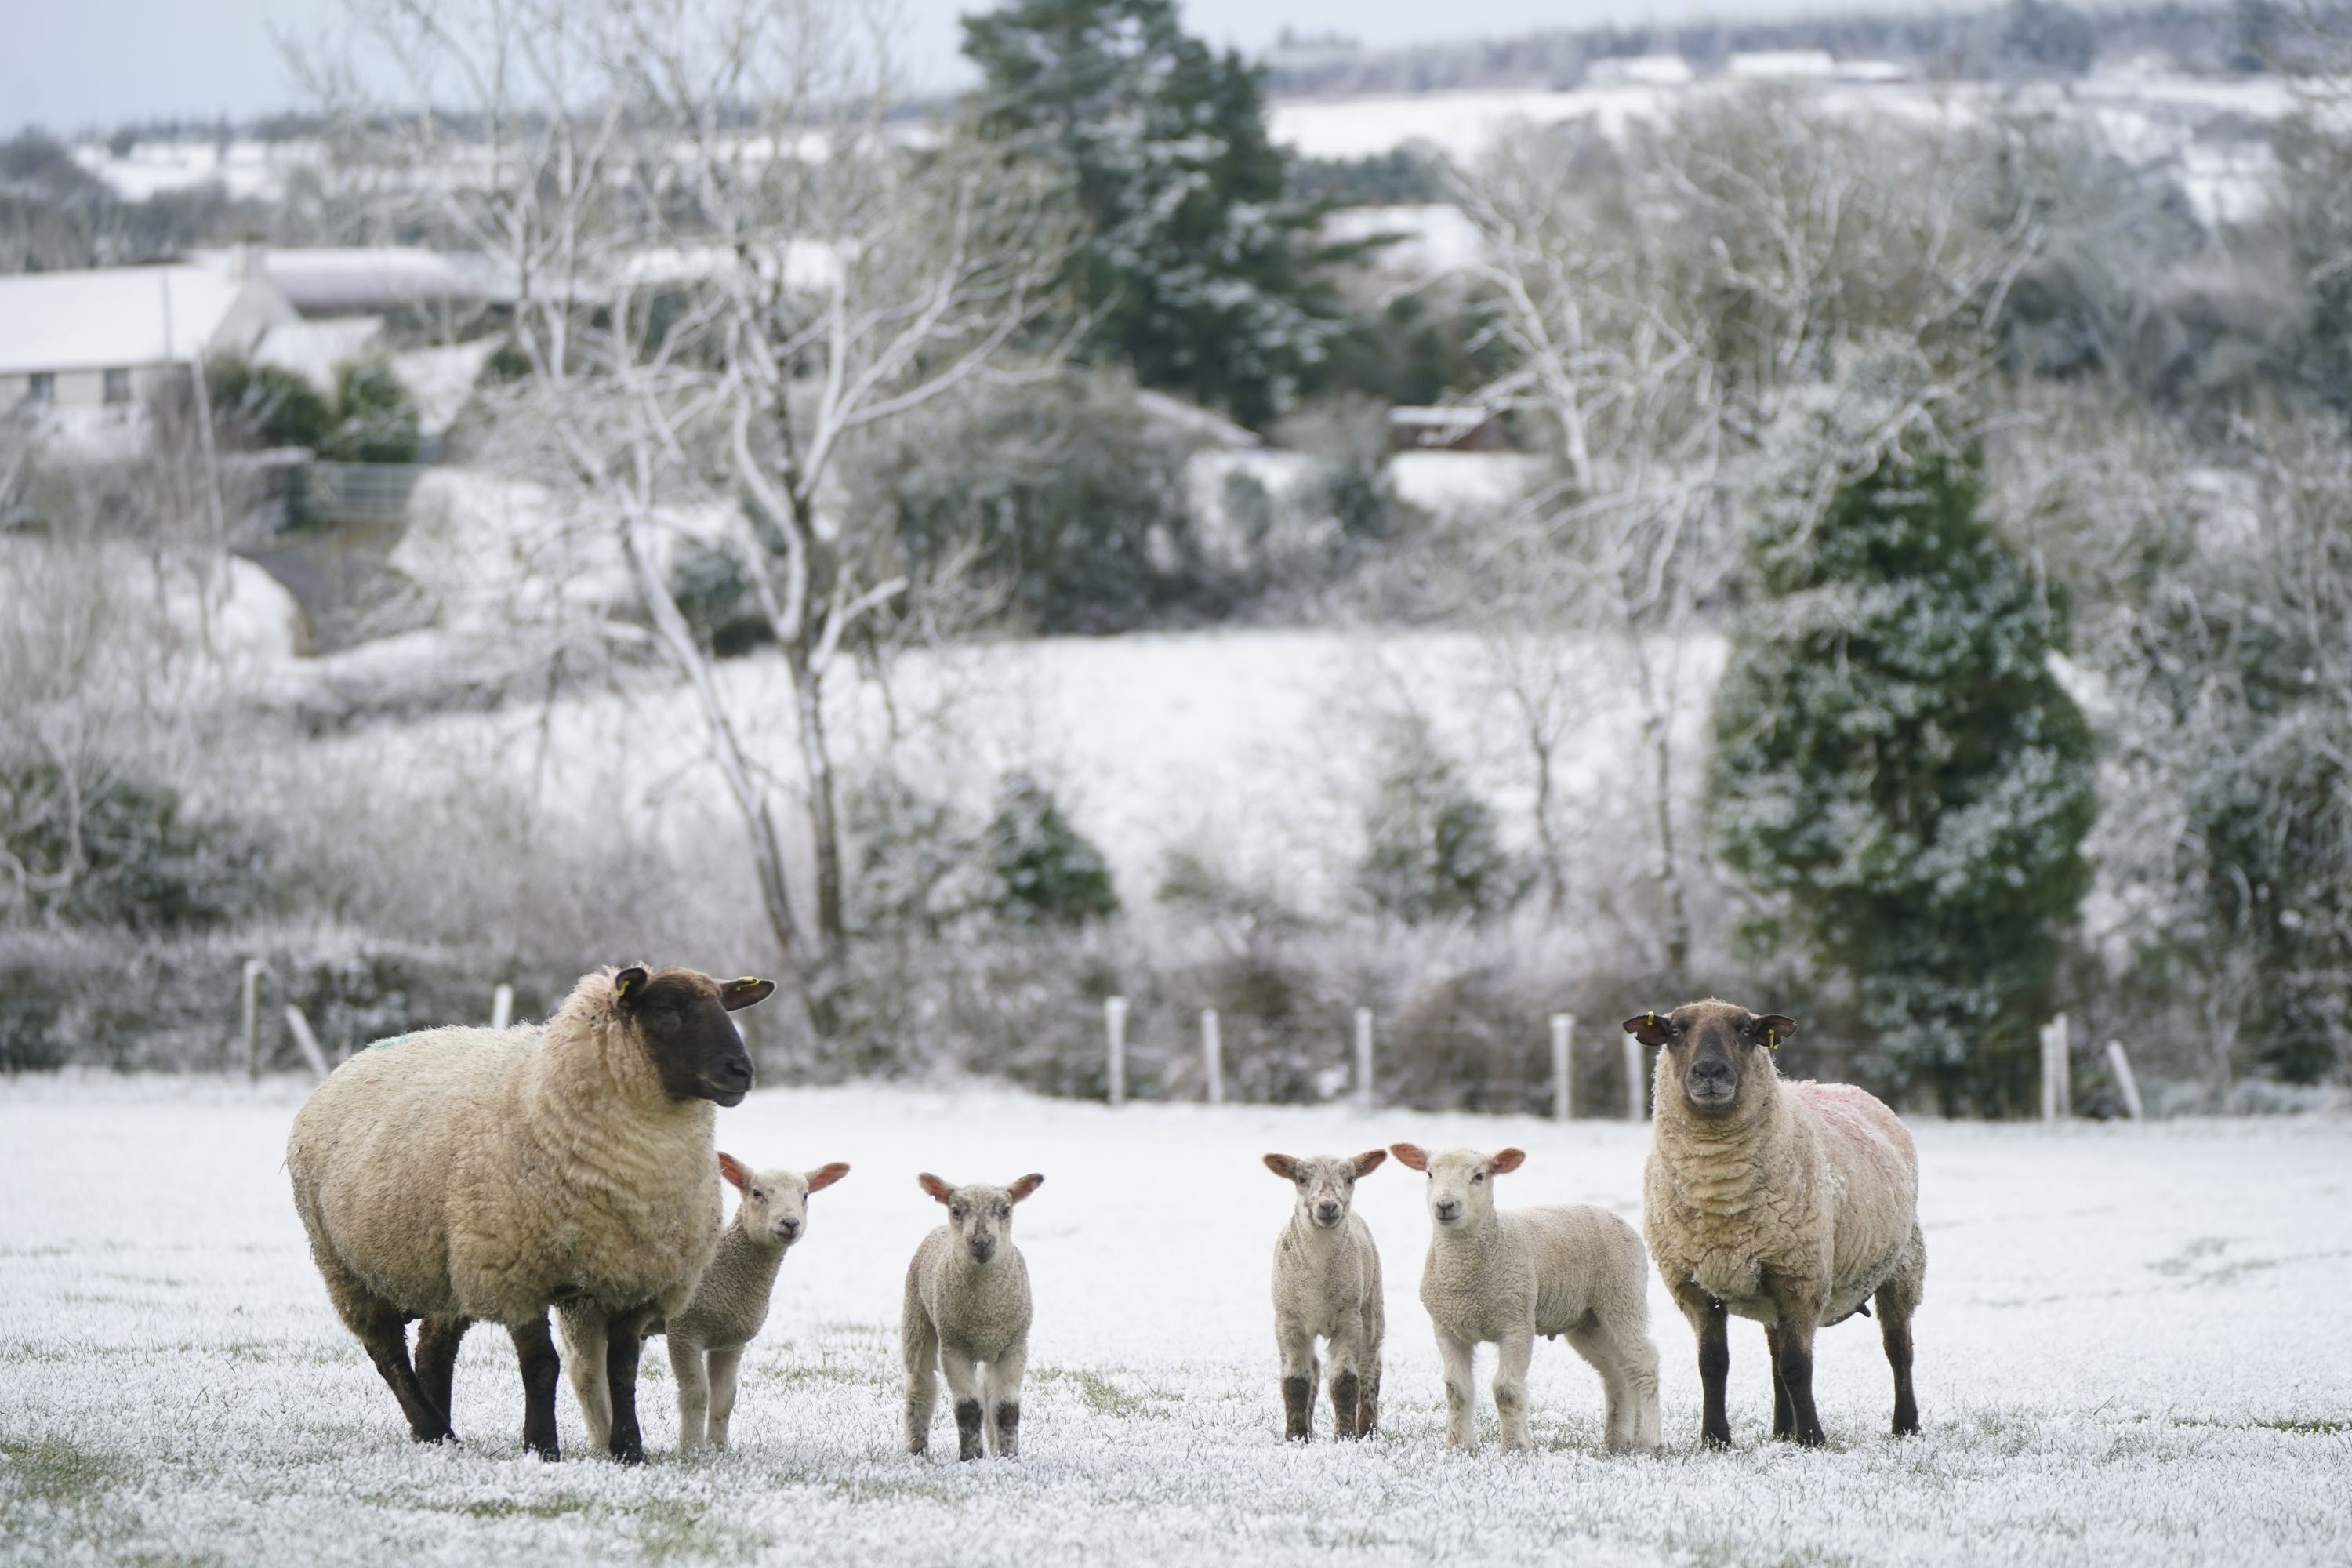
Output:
x=1477 y=1176
x=759 y=1196
x=959 y=1212
x=1004 y=1211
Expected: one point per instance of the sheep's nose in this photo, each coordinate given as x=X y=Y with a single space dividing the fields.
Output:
x=788 y=1228
x=1327 y=1213
x=1711 y=1070
x=1448 y=1209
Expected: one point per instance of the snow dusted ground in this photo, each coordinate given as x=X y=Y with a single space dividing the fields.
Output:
x=2128 y=1356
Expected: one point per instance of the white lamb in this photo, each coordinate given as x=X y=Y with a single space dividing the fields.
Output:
x=968 y=1303
x=1568 y=1269
x=1327 y=1283
x=728 y=1307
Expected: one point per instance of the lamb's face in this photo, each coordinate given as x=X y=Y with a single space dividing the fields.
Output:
x=1326 y=1182
x=1461 y=1182
x=980 y=1215
x=1718 y=1055
x=681 y=1017
x=774 y=1206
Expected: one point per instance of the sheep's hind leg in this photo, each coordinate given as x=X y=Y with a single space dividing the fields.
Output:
x=919 y=1343
x=437 y=1340
x=1784 y=1416
x=624 y=1345
x=1628 y=1364
x=387 y=1346
x=697 y=1421
x=1001 y=1389
x=964 y=1387
x=723 y=1367
x=542 y=1369
x=1898 y=1297
x=585 y=1342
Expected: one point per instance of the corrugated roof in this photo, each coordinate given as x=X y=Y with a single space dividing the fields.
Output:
x=118 y=318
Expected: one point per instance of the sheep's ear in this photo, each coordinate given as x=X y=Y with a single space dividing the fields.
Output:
x=1412 y=1156
x=825 y=1176
x=738 y=995
x=1506 y=1160
x=1282 y=1166
x=629 y=984
x=936 y=1188
x=1025 y=1185
x=1773 y=1028
x=732 y=1169
x=1649 y=1029
x=1371 y=1160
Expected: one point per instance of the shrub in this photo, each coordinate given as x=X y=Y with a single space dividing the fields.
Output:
x=274 y=405
x=1433 y=850
x=375 y=420
x=1046 y=871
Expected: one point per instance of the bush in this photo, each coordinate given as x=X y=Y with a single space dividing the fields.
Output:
x=272 y=405
x=1433 y=850
x=375 y=421
x=1046 y=871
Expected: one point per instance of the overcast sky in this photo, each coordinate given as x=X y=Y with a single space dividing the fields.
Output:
x=70 y=65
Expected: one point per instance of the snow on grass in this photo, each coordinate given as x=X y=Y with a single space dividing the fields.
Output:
x=2125 y=1357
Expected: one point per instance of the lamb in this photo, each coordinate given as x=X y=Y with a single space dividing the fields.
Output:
x=468 y=1174
x=725 y=1312
x=1567 y=1269
x=1327 y=1282
x=1792 y=1202
x=968 y=1302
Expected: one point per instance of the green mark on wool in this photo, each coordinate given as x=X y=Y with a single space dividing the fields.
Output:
x=395 y=1040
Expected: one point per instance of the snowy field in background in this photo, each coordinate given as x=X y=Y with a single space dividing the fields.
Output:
x=2127 y=1356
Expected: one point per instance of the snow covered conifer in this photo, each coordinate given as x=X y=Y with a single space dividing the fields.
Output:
x=1893 y=753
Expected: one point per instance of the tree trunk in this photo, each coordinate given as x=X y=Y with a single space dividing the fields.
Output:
x=816 y=760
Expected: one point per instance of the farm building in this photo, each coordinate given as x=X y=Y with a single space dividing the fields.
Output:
x=110 y=337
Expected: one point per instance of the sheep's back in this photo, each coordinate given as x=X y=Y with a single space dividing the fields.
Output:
x=1873 y=1171
x=1586 y=1261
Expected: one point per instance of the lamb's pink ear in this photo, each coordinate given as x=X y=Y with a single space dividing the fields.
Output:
x=1371 y=1160
x=732 y=1169
x=1025 y=1185
x=628 y=984
x=1412 y=1156
x=738 y=995
x=934 y=1186
x=1282 y=1166
x=1508 y=1160
x=825 y=1176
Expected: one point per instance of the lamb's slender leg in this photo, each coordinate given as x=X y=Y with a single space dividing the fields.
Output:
x=1346 y=1359
x=1898 y=1297
x=585 y=1339
x=1367 y=1402
x=1298 y=1377
x=1784 y=1418
x=1001 y=1389
x=694 y=1419
x=723 y=1365
x=1512 y=1355
x=542 y=1369
x=624 y=1345
x=436 y=1362
x=1794 y=1357
x=1461 y=1397
x=918 y=1347
x=963 y=1388
x=1707 y=1321
x=1628 y=1364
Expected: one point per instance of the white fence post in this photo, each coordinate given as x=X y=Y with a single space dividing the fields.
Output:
x=1636 y=1102
x=2120 y=1065
x=501 y=1006
x=308 y=1041
x=2057 y=1087
x=1115 y=1042
x=1212 y=1056
x=254 y=970
x=1564 y=1077
x=1364 y=1060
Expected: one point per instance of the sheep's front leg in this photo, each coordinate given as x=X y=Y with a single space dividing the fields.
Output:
x=1792 y=1357
x=1784 y=1418
x=1003 y=1391
x=963 y=1388
x=1707 y=1321
x=621 y=1349
x=723 y=1365
x=1512 y=1356
x=1347 y=1381
x=1298 y=1377
x=693 y=1378
x=1461 y=1397
x=542 y=1369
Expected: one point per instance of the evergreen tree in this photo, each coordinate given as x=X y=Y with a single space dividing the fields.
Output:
x=1432 y=849
x=1194 y=268
x=1047 y=872
x=1893 y=754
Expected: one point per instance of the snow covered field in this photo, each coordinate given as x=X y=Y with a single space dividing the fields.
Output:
x=2130 y=1355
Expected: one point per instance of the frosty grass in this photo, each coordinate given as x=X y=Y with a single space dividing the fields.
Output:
x=2132 y=1351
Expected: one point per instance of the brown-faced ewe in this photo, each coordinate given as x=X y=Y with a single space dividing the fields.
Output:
x=466 y=1174
x=728 y=1306
x=1327 y=1283
x=968 y=1304
x=1794 y=1204
x=1506 y=1276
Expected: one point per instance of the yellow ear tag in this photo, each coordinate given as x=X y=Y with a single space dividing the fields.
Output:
x=1771 y=1039
x=1653 y=1019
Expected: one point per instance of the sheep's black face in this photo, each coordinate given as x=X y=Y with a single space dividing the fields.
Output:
x=1713 y=1051
x=681 y=1015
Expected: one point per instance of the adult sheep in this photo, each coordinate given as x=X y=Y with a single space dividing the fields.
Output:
x=468 y=1174
x=1792 y=1202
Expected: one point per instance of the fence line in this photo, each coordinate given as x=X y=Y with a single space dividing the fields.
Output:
x=1636 y=1103
x=1364 y=1060
x=2057 y=1071
x=1115 y=1046
x=2120 y=1065
x=501 y=1006
x=1563 y=1068
x=1212 y=1056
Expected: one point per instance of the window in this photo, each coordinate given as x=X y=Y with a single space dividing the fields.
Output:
x=42 y=387
x=118 y=386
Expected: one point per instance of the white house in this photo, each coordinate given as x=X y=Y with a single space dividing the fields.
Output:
x=88 y=339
